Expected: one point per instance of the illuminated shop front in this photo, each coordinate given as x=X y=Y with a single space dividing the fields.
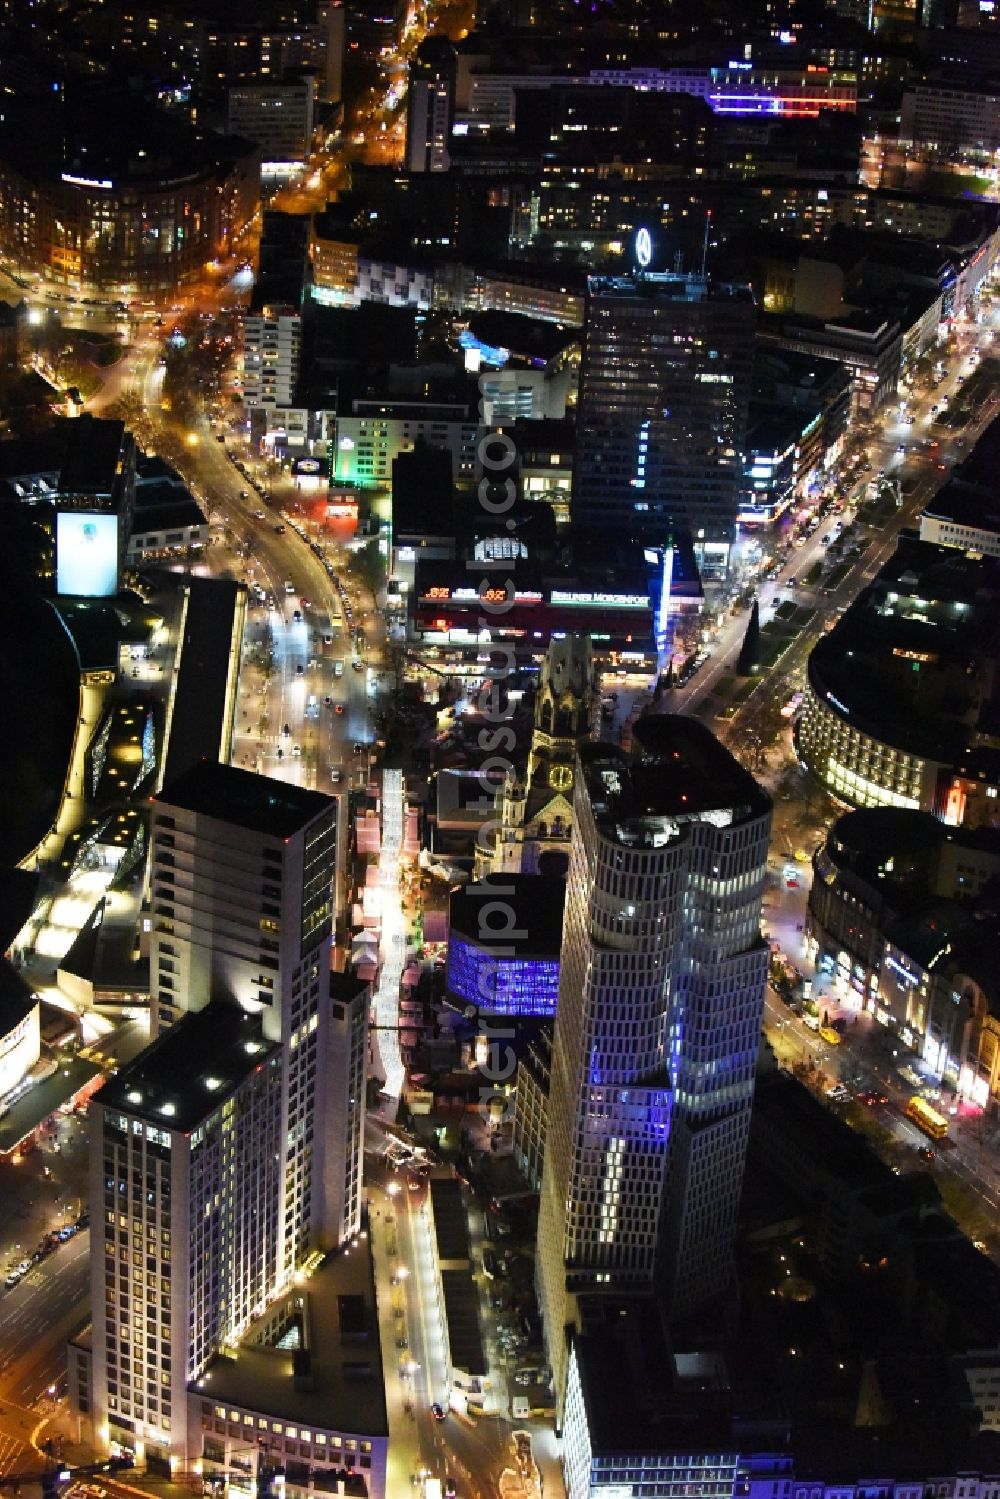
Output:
x=898 y=923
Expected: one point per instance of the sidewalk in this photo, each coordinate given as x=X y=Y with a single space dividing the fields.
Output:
x=404 y=1442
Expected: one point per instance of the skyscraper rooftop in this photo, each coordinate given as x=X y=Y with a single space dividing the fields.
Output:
x=258 y=803
x=681 y=773
x=677 y=286
x=187 y=1072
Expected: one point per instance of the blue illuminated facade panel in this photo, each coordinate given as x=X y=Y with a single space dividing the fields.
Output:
x=502 y=986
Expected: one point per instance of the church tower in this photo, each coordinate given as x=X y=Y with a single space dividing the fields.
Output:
x=537 y=815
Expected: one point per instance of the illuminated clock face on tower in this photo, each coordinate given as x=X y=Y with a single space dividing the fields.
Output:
x=561 y=777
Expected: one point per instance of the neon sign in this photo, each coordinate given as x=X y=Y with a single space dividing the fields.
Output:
x=85 y=181
x=613 y=600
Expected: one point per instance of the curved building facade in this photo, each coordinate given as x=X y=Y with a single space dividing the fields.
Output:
x=904 y=687
x=142 y=208
x=858 y=766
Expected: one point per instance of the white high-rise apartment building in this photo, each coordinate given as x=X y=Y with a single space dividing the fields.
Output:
x=186 y=1200
x=662 y=980
x=242 y=909
x=272 y=344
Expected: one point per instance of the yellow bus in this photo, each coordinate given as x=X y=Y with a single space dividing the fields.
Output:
x=829 y=1035
x=927 y=1118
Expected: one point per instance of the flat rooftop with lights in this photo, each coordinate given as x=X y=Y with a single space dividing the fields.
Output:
x=669 y=286
x=678 y=773
x=188 y=1071
x=255 y=802
x=314 y=1358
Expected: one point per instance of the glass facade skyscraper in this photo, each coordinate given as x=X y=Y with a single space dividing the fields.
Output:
x=664 y=392
x=661 y=993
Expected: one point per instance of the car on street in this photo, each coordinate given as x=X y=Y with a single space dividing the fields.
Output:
x=438 y=1411
x=338 y=708
x=926 y=1153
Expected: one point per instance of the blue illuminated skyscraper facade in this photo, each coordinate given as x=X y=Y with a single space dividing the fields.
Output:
x=502 y=986
x=504 y=935
x=661 y=993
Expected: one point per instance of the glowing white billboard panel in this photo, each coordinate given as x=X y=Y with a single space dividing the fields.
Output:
x=86 y=554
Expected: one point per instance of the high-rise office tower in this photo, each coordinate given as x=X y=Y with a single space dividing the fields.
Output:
x=186 y=1195
x=661 y=993
x=242 y=912
x=664 y=391
x=430 y=106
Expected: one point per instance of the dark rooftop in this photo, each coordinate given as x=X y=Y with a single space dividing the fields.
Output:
x=255 y=802
x=451 y=1226
x=18 y=893
x=213 y=625
x=966 y=505
x=93 y=460
x=44 y=1098
x=16 y=999
x=109 y=135
x=533 y=339
x=335 y=1380
x=172 y=513
x=930 y=605
x=536 y=901
x=461 y=1310
x=678 y=770
x=882 y=831
x=186 y=1073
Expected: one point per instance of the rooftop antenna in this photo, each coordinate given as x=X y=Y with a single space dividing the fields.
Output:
x=704 y=243
x=678 y=264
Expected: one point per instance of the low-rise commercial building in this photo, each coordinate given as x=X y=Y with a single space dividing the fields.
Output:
x=951 y=118
x=902 y=919
x=869 y=344
x=964 y=516
x=456 y=1299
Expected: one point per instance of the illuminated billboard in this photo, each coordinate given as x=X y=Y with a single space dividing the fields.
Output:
x=86 y=554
